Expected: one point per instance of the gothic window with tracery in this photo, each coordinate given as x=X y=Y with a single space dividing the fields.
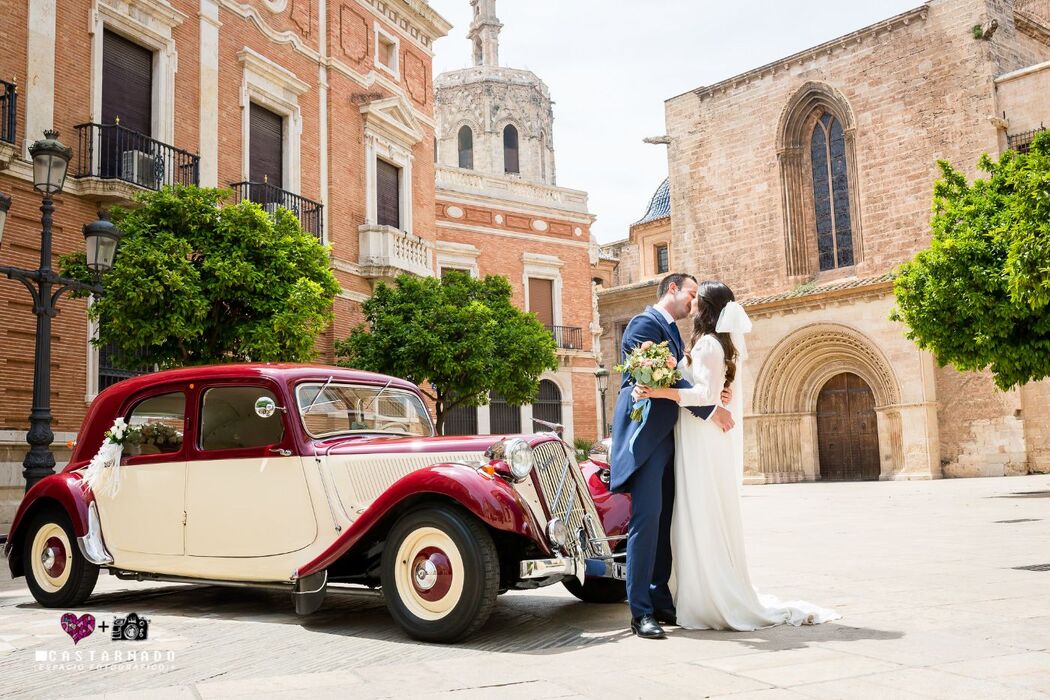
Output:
x=466 y=148
x=831 y=193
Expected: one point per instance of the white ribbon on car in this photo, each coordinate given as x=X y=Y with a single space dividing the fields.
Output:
x=102 y=474
x=735 y=321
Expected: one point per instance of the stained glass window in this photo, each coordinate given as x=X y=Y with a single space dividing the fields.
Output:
x=831 y=193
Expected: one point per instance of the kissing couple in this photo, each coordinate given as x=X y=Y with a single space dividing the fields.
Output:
x=683 y=467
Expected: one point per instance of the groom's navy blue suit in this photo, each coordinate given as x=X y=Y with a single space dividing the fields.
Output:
x=647 y=471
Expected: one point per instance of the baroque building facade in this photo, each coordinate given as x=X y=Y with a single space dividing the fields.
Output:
x=500 y=212
x=325 y=108
x=803 y=184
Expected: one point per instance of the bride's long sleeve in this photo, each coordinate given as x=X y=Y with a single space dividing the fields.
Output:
x=708 y=374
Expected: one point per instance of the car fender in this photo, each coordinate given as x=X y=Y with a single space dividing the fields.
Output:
x=491 y=499
x=65 y=491
x=613 y=508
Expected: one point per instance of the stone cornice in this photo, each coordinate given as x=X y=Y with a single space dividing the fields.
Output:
x=1032 y=25
x=496 y=189
x=1045 y=65
x=852 y=289
x=414 y=18
x=887 y=25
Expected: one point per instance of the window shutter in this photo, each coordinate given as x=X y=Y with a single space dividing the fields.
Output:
x=388 y=194
x=541 y=300
x=265 y=146
x=127 y=83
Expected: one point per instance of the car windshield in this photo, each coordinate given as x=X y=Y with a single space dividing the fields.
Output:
x=355 y=408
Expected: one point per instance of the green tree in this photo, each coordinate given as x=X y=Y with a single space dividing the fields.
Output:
x=461 y=335
x=195 y=282
x=978 y=296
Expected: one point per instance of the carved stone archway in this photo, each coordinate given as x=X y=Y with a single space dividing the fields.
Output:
x=785 y=399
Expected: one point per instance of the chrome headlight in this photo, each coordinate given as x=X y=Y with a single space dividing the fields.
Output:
x=557 y=533
x=520 y=457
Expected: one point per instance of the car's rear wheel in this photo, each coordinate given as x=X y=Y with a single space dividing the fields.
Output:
x=440 y=574
x=57 y=573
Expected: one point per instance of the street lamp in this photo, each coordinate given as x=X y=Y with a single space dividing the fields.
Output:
x=601 y=375
x=50 y=164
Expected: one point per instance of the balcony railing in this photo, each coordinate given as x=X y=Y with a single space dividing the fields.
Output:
x=567 y=337
x=114 y=152
x=1023 y=141
x=270 y=197
x=386 y=252
x=8 y=111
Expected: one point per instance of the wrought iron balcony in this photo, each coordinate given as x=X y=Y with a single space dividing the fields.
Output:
x=1022 y=142
x=386 y=252
x=114 y=152
x=8 y=111
x=567 y=337
x=270 y=197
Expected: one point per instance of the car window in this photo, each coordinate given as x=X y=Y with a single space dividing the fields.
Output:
x=229 y=421
x=344 y=408
x=156 y=425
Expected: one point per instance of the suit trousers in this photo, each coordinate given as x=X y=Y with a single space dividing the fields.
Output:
x=649 y=535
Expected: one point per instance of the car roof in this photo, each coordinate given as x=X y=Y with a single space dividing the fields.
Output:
x=288 y=372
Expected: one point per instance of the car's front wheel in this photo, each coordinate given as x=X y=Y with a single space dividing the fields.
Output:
x=440 y=574
x=57 y=573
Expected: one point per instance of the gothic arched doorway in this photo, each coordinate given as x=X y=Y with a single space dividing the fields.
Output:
x=547 y=406
x=847 y=431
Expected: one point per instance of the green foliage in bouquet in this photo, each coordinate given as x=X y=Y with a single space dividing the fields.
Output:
x=650 y=364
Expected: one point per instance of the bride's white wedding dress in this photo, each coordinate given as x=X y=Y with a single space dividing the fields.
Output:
x=714 y=589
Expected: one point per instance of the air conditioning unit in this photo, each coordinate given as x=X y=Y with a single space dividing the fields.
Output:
x=141 y=168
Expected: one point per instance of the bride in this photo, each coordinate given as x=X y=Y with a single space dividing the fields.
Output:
x=707 y=539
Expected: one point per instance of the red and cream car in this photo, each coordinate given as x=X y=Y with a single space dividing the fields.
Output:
x=314 y=479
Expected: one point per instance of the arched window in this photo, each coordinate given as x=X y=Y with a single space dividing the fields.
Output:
x=831 y=193
x=543 y=156
x=547 y=406
x=510 y=149
x=466 y=147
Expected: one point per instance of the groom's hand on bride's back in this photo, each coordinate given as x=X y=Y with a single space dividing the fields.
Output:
x=722 y=418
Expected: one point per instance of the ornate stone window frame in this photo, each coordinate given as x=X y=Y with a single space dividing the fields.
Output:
x=543 y=267
x=391 y=132
x=276 y=88
x=148 y=23
x=793 y=142
x=380 y=36
x=458 y=256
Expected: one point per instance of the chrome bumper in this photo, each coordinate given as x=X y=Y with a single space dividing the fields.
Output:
x=567 y=566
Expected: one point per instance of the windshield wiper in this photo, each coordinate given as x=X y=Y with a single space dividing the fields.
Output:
x=318 y=395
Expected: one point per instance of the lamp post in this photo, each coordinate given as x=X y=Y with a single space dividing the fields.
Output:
x=601 y=375
x=50 y=164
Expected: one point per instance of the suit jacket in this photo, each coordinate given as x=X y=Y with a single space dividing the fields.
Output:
x=656 y=439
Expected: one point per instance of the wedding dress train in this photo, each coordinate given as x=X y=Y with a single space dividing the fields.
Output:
x=714 y=588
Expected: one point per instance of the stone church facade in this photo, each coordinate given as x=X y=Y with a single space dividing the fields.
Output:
x=500 y=212
x=803 y=184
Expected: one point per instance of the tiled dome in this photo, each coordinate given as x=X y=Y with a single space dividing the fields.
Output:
x=660 y=204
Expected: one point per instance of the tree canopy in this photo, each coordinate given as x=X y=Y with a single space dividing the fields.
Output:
x=195 y=282
x=461 y=335
x=978 y=297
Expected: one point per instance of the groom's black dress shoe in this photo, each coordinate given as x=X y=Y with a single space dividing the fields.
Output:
x=646 y=627
x=665 y=616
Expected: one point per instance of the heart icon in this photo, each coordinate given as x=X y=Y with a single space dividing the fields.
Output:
x=78 y=627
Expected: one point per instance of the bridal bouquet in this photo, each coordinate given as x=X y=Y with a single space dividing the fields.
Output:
x=103 y=472
x=650 y=364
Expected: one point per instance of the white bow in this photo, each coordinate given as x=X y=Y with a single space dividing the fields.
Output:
x=735 y=321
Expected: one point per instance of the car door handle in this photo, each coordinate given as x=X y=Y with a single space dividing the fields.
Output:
x=281 y=451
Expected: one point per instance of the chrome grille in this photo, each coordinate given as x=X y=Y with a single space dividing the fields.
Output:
x=566 y=497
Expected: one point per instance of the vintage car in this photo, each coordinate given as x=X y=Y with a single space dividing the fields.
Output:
x=316 y=479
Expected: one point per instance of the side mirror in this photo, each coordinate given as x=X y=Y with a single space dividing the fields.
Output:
x=265 y=407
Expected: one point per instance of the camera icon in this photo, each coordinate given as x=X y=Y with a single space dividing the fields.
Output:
x=130 y=628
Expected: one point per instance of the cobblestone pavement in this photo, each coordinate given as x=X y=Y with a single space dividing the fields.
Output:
x=923 y=572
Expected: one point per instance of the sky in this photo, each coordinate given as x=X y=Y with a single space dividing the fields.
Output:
x=610 y=64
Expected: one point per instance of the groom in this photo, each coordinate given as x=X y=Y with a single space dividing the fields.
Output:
x=646 y=470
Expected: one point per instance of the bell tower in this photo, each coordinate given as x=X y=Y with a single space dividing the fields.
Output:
x=484 y=32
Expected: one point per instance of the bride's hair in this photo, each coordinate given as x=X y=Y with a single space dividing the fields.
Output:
x=711 y=298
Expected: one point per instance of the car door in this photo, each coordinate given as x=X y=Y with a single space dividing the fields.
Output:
x=146 y=515
x=246 y=490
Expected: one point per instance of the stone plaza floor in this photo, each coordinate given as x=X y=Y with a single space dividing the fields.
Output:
x=927 y=576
